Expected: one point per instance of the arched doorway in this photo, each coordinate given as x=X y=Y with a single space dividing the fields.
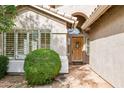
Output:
x=76 y=40
x=81 y=18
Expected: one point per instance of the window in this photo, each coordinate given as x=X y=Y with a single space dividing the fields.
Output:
x=33 y=40
x=21 y=37
x=9 y=43
x=45 y=40
x=42 y=40
x=19 y=43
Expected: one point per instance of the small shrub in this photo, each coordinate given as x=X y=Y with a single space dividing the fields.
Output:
x=3 y=65
x=41 y=66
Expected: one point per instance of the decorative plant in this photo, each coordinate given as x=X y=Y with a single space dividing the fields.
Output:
x=41 y=66
x=3 y=65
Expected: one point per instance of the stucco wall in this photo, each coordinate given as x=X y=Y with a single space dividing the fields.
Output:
x=30 y=20
x=107 y=46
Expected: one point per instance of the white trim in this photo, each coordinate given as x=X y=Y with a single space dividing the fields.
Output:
x=17 y=65
x=16 y=37
x=39 y=39
x=2 y=38
x=45 y=40
x=95 y=15
x=53 y=13
x=51 y=37
x=28 y=42
x=4 y=44
x=16 y=43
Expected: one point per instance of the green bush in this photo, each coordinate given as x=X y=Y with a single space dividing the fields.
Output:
x=41 y=66
x=3 y=65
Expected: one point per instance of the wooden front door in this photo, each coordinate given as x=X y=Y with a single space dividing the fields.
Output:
x=76 y=49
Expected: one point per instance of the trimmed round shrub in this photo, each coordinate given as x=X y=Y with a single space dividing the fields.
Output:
x=41 y=66
x=3 y=65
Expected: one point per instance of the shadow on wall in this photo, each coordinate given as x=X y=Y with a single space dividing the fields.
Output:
x=59 y=44
x=30 y=20
x=111 y=23
x=85 y=58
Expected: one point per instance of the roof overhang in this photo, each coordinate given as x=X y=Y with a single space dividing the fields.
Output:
x=100 y=10
x=48 y=12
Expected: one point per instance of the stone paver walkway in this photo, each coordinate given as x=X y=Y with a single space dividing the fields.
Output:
x=80 y=76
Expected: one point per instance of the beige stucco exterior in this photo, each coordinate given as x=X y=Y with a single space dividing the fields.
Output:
x=31 y=20
x=35 y=18
x=107 y=46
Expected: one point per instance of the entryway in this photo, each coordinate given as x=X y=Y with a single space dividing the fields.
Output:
x=76 y=41
x=76 y=48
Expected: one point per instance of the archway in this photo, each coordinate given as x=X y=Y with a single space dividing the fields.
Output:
x=77 y=51
x=81 y=18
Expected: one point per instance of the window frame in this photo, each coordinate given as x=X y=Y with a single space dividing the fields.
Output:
x=28 y=40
